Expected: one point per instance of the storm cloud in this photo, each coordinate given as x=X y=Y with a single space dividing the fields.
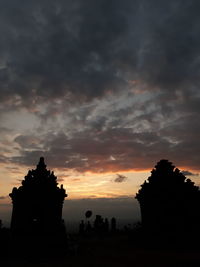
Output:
x=100 y=85
x=53 y=49
x=120 y=178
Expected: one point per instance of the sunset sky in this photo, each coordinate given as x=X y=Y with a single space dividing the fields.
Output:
x=102 y=89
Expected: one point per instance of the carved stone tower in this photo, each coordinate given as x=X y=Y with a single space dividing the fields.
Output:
x=37 y=203
x=168 y=200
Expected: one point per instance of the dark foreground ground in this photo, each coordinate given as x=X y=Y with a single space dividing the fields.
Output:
x=120 y=249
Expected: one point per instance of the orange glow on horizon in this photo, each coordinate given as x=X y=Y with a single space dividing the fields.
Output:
x=88 y=184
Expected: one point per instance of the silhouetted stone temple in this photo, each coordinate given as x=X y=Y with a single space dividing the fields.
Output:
x=37 y=204
x=169 y=201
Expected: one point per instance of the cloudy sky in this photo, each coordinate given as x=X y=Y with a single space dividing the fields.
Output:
x=102 y=89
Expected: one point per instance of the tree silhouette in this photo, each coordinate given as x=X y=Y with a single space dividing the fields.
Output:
x=169 y=201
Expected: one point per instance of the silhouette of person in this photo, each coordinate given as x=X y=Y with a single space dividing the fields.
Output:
x=106 y=225
x=98 y=224
x=88 y=227
x=81 y=227
x=113 y=224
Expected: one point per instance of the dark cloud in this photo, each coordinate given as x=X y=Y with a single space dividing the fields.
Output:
x=54 y=49
x=188 y=173
x=4 y=159
x=129 y=70
x=120 y=178
x=114 y=150
x=59 y=49
x=3 y=197
x=31 y=142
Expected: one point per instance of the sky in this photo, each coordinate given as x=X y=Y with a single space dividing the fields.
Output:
x=103 y=90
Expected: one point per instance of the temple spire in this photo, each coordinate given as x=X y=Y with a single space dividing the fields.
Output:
x=41 y=165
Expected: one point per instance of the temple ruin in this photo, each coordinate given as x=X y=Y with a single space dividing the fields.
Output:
x=37 y=203
x=168 y=200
